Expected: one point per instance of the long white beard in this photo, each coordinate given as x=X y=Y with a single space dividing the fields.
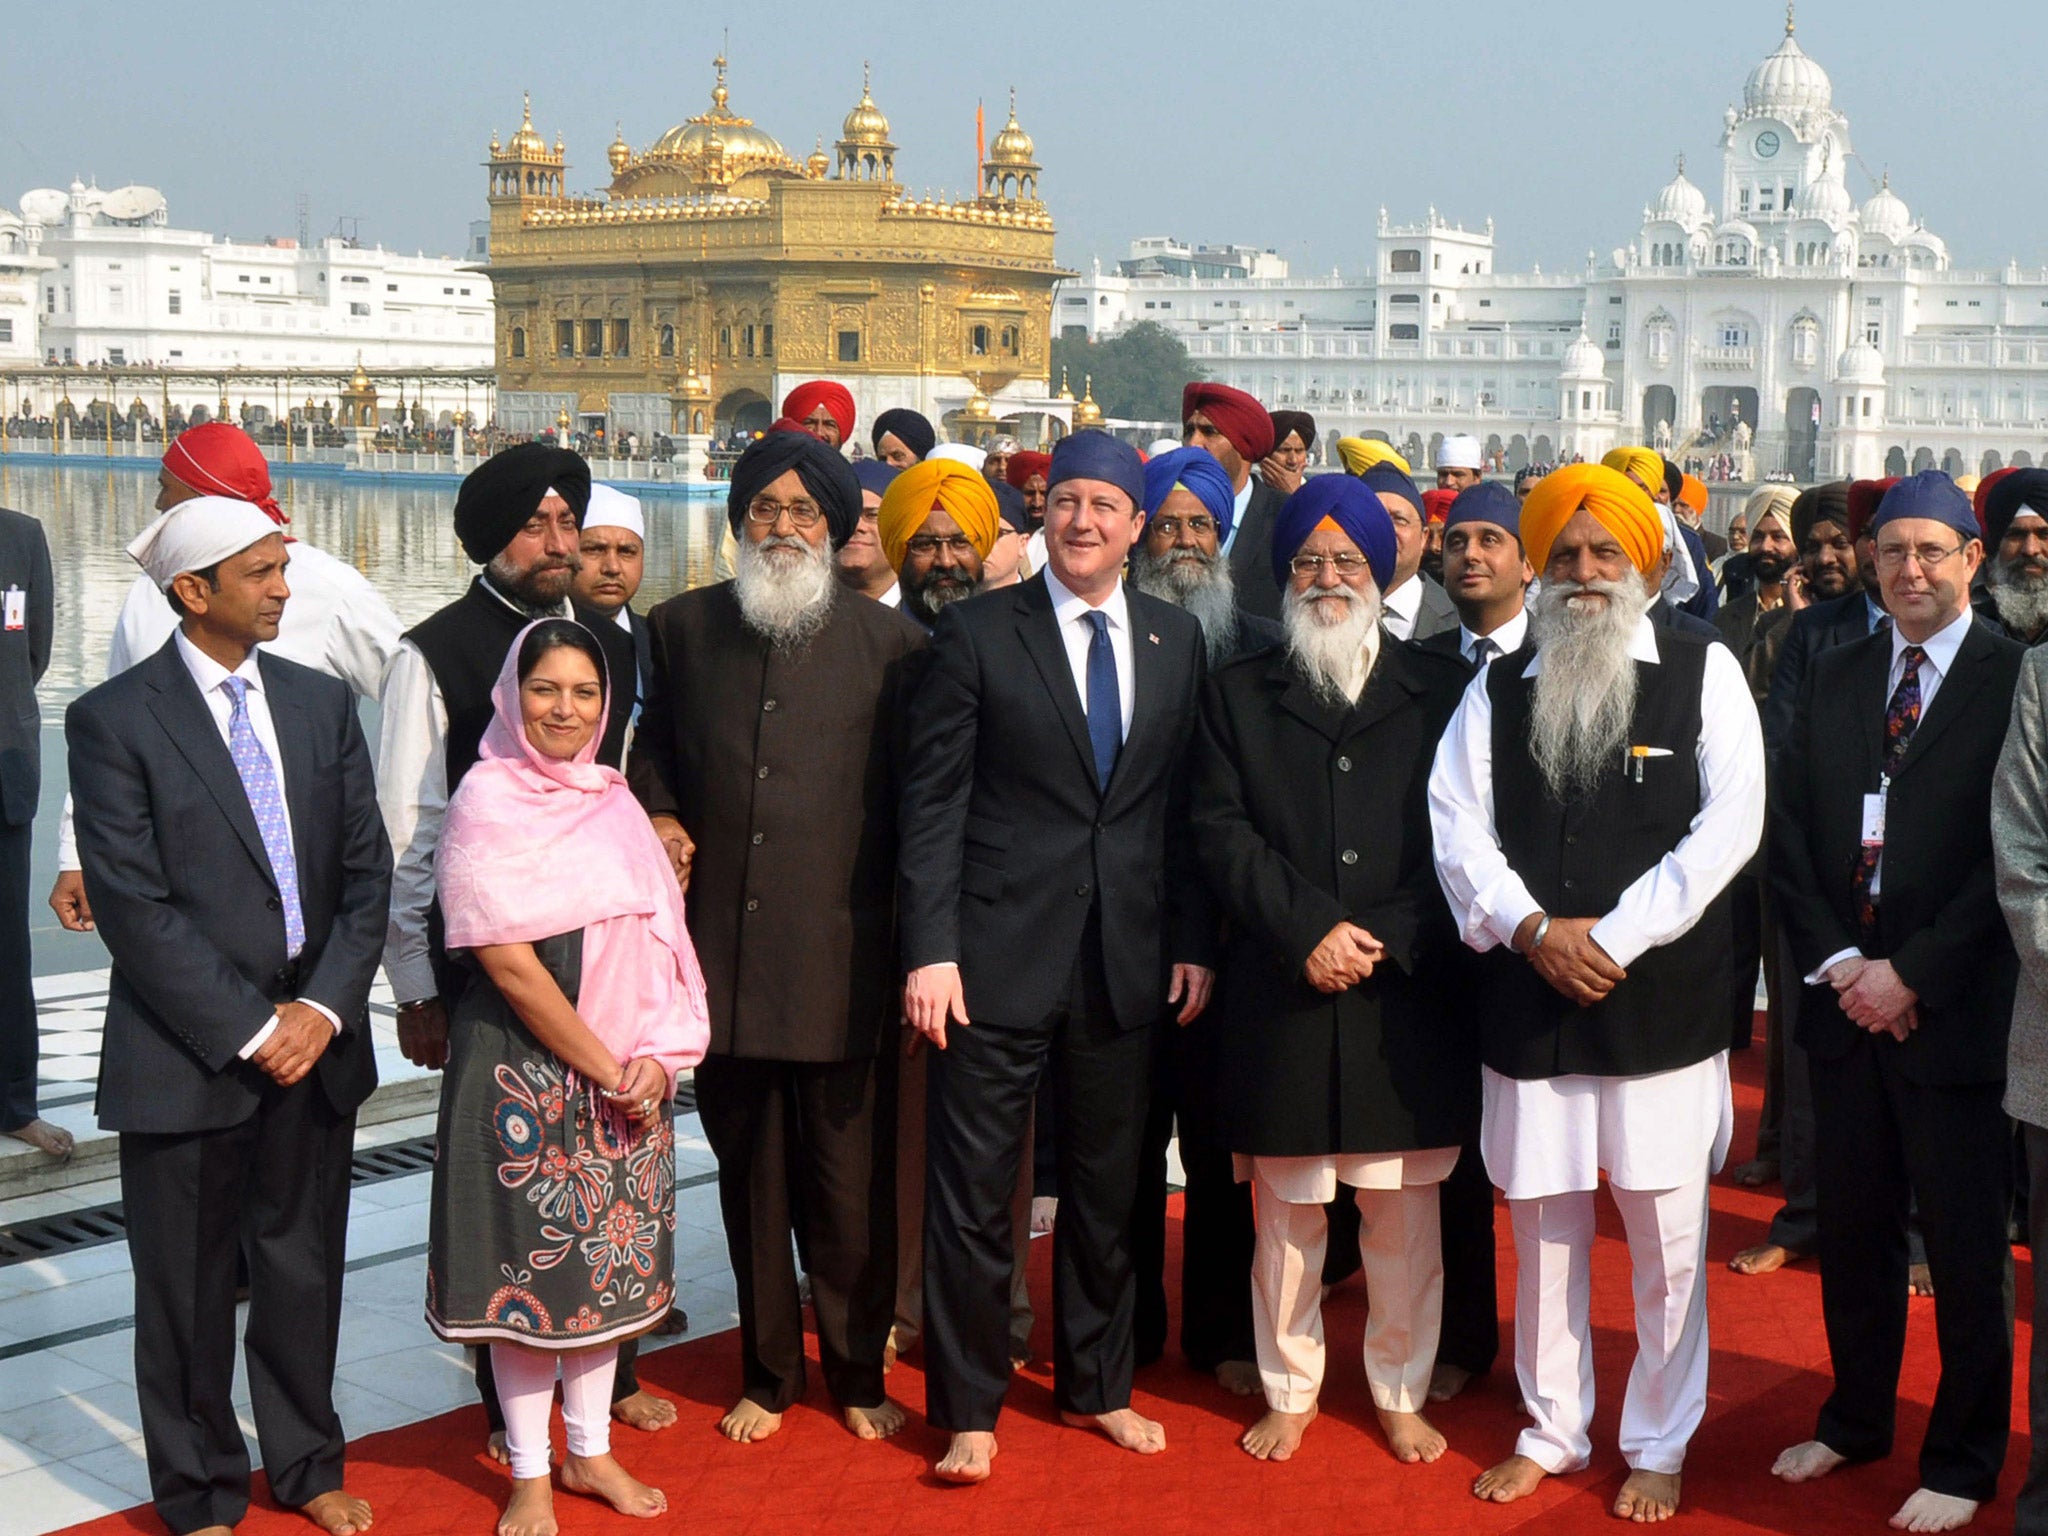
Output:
x=1199 y=583
x=2020 y=595
x=1334 y=638
x=782 y=597
x=1585 y=697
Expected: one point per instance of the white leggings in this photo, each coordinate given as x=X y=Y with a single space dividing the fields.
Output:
x=526 y=1392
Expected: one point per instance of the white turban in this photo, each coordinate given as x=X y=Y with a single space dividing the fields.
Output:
x=197 y=534
x=611 y=508
x=1459 y=451
x=960 y=453
x=1161 y=445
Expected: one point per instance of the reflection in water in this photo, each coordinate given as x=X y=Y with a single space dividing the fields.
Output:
x=401 y=536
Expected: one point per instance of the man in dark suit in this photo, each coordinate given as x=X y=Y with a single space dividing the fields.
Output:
x=27 y=627
x=1048 y=896
x=1239 y=432
x=240 y=876
x=1413 y=607
x=1881 y=856
x=612 y=550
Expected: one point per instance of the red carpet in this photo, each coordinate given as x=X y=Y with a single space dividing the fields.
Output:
x=1769 y=1375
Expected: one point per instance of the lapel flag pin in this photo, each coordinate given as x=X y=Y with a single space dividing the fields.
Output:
x=1153 y=638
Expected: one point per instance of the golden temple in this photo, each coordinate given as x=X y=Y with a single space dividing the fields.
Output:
x=715 y=271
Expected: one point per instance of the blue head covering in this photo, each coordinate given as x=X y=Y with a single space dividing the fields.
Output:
x=1487 y=501
x=874 y=476
x=1929 y=494
x=1385 y=480
x=1193 y=469
x=1091 y=455
x=1347 y=501
x=1010 y=507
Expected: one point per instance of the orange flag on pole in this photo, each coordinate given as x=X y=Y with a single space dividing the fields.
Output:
x=980 y=145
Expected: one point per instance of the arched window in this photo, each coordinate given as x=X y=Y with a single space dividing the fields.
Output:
x=668 y=341
x=977 y=341
x=519 y=341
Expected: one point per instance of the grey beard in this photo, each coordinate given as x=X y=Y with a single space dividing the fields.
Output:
x=1334 y=656
x=787 y=601
x=1200 y=584
x=2020 y=596
x=1585 y=696
x=925 y=602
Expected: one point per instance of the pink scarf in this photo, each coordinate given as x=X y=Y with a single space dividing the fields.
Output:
x=534 y=846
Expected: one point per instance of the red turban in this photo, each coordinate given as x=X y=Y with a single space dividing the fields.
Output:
x=1236 y=414
x=1023 y=465
x=216 y=459
x=1436 y=505
x=1981 y=497
x=836 y=398
x=1864 y=495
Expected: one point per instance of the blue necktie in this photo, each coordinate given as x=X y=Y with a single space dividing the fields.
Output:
x=266 y=799
x=1105 y=707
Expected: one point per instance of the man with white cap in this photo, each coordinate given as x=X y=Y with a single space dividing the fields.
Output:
x=1459 y=462
x=613 y=549
x=234 y=857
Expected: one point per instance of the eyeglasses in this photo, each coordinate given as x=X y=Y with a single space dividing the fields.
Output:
x=1311 y=566
x=1168 y=528
x=921 y=544
x=1929 y=557
x=803 y=514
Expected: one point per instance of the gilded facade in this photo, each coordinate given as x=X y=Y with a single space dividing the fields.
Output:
x=715 y=271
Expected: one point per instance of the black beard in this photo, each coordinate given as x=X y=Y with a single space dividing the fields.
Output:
x=924 y=602
x=1770 y=569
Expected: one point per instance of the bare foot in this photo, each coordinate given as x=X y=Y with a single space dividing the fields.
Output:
x=531 y=1509
x=1757 y=1173
x=876 y=1423
x=1124 y=1426
x=601 y=1477
x=1044 y=1209
x=1807 y=1460
x=1647 y=1497
x=1761 y=1259
x=644 y=1411
x=1020 y=1357
x=749 y=1422
x=1277 y=1436
x=51 y=1140
x=1410 y=1436
x=1509 y=1480
x=1240 y=1378
x=1447 y=1381
x=337 y=1512
x=1920 y=1282
x=1927 y=1510
x=967 y=1458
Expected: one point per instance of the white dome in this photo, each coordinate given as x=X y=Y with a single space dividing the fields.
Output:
x=1886 y=214
x=1860 y=363
x=1583 y=360
x=1825 y=199
x=1681 y=202
x=1788 y=81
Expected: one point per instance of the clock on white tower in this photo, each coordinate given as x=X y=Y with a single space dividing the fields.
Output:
x=1766 y=144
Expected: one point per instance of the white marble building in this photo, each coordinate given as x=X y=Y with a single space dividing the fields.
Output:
x=1836 y=332
x=118 y=286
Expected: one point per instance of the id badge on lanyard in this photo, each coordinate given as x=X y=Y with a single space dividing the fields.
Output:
x=1873 y=814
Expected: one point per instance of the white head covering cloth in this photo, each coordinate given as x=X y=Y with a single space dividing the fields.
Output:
x=1459 y=451
x=611 y=508
x=196 y=534
x=960 y=453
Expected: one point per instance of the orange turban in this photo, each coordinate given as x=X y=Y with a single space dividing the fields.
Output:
x=950 y=487
x=1358 y=454
x=1617 y=503
x=1646 y=464
x=1693 y=492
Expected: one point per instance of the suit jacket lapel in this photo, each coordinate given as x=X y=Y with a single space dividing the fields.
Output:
x=186 y=720
x=1303 y=702
x=1872 y=697
x=1390 y=687
x=1963 y=680
x=1149 y=668
x=1043 y=643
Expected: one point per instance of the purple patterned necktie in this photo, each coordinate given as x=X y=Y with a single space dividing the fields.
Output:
x=266 y=799
x=1901 y=718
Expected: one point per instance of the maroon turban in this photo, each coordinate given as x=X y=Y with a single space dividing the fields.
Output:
x=1237 y=416
x=1024 y=464
x=1864 y=495
x=836 y=398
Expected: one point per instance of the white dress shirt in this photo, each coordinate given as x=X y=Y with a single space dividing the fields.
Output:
x=893 y=598
x=334 y=622
x=1507 y=638
x=1489 y=899
x=412 y=794
x=1071 y=613
x=1399 y=607
x=1239 y=502
x=209 y=675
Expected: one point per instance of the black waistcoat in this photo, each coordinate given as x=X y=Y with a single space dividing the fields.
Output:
x=1577 y=859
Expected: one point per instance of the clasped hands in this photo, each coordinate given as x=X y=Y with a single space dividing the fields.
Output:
x=1874 y=998
x=642 y=1090
x=679 y=847
x=302 y=1035
x=1346 y=957
x=1570 y=959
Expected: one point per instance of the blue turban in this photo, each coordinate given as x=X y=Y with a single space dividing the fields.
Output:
x=1929 y=494
x=874 y=476
x=1347 y=501
x=1091 y=455
x=1385 y=480
x=1010 y=507
x=1196 y=470
x=1487 y=501
x=909 y=429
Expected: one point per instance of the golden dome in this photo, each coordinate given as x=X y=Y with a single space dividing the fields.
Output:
x=820 y=162
x=1087 y=413
x=620 y=151
x=359 y=381
x=1066 y=390
x=1013 y=145
x=865 y=123
x=743 y=146
x=526 y=141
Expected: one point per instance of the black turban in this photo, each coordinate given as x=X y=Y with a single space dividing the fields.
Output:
x=910 y=429
x=1300 y=423
x=1674 y=481
x=2023 y=488
x=1820 y=504
x=828 y=478
x=500 y=496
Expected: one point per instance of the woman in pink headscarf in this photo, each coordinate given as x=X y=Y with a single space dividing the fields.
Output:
x=550 y=1236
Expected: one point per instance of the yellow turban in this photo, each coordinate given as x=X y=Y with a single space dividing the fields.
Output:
x=951 y=487
x=1617 y=503
x=1771 y=501
x=1358 y=454
x=1646 y=464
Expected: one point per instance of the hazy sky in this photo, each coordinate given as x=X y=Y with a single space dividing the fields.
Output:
x=1282 y=126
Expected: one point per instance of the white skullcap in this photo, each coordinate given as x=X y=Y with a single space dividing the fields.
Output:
x=1459 y=451
x=611 y=508
x=960 y=453
x=196 y=534
x=1162 y=445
